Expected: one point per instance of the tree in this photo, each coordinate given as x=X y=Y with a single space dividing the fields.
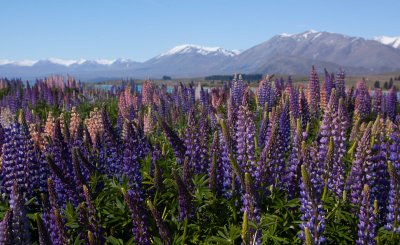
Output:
x=166 y=78
x=386 y=85
x=377 y=84
x=390 y=83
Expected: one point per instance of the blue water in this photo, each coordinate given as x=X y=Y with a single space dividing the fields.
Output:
x=138 y=87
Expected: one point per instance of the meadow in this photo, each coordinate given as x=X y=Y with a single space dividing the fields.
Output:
x=283 y=163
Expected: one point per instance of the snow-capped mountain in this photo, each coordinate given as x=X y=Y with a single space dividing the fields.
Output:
x=188 y=60
x=55 y=61
x=197 y=49
x=282 y=54
x=391 y=41
x=293 y=53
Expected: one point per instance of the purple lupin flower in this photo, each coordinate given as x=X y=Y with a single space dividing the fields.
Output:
x=293 y=172
x=94 y=225
x=139 y=218
x=284 y=128
x=267 y=172
x=391 y=103
x=250 y=206
x=328 y=84
x=162 y=228
x=15 y=163
x=5 y=229
x=340 y=84
x=360 y=167
x=314 y=93
x=337 y=175
x=131 y=165
x=263 y=92
x=378 y=178
x=367 y=219
x=175 y=142
x=110 y=158
x=245 y=133
x=313 y=214
x=225 y=168
x=303 y=108
x=294 y=103
x=19 y=221
x=215 y=162
x=393 y=208
x=56 y=223
x=184 y=198
x=363 y=100
x=238 y=87
x=325 y=146
x=378 y=105
x=44 y=237
x=193 y=145
x=263 y=129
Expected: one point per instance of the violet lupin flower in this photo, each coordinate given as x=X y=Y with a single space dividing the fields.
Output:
x=94 y=225
x=360 y=167
x=251 y=208
x=378 y=177
x=367 y=219
x=312 y=217
x=184 y=198
x=337 y=176
x=294 y=103
x=19 y=221
x=340 y=84
x=139 y=218
x=328 y=83
x=263 y=129
x=15 y=160
x=263 y=92
x=284 y=128
x=378 y=106
x=238 y=87
x=293 y=172
x=56 y=223
x=193 y=145
x=303 y=108
x=2 y=138
x=214 y=163
x=363 y=100
x=225 y=169
x=266 y=173
x=314 y=93
x=5 y=229
x=391 y=103
x=245 y=133
x=131 y=165
x=326 y=132
x=162 y=228
x=110 y=159
x=175 y=142
x=44 y=237
x=393 y=214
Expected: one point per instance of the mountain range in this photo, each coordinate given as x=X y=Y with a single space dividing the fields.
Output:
x=282 y=54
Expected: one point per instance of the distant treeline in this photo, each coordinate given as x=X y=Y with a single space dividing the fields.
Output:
x=247 y=77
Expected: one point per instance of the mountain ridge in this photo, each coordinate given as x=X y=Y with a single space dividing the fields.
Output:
x=283 y=53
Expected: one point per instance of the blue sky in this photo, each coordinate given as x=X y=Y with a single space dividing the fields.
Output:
x=141 y=29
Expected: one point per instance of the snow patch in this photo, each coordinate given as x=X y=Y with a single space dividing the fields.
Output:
x=108 y=62
x=190 y=48
x=25 y=62
x=65 y=62
x=392 y=41
x=286 y=35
